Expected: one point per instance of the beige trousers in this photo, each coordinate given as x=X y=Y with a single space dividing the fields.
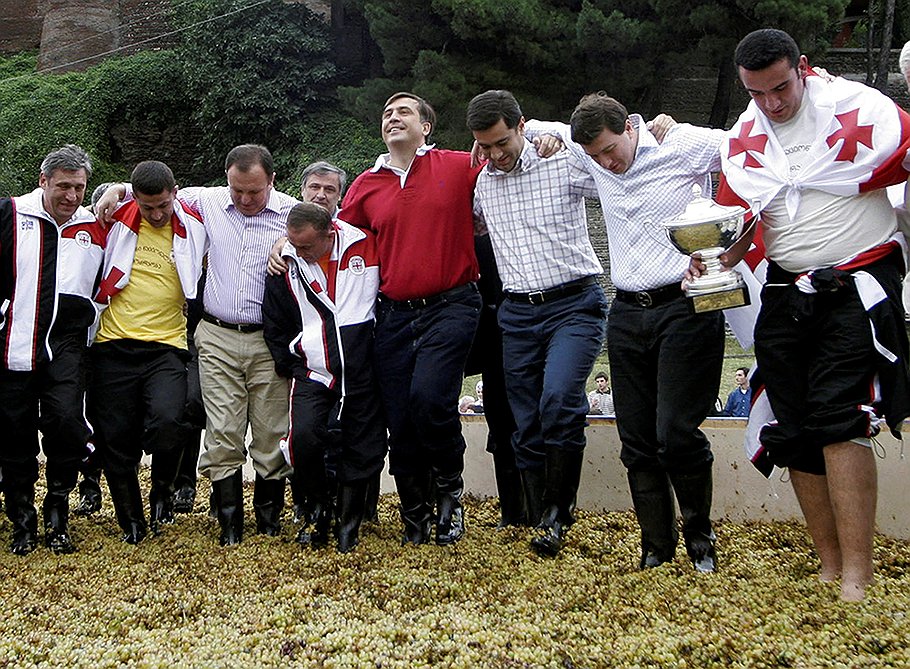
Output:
x=240 y=388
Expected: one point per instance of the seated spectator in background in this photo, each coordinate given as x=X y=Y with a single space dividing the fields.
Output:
x=477 y=407
x=600 y=399
x=466 y=404
x=740 y=400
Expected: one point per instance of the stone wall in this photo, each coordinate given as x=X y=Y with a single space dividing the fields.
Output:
x=70 y=34
x=21 y=23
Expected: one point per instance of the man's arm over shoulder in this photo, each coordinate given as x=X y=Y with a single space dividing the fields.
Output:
x=700 y=146
x=191 y=196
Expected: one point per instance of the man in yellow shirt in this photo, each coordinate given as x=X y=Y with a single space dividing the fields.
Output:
x=137 y=390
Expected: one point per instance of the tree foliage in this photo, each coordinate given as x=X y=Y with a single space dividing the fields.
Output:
x=252 y=72
x=549 y=52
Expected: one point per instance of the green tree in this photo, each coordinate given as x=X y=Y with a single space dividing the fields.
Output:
x=252 y=71
x=450 y=50
x=648 y=41
x=549 y=52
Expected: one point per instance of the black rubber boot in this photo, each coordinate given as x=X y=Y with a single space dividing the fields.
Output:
x=185 y=482
x=652 y=499
x=56 y=507
x=184 y=499
x=228 y=494
x=298 y=497
x=533 y=484
x=127 y=499
x=165 y=465
x=20 y=509
x=512 y=509
x=694 y=491
x=89 y=492
x=416 y=510
x=268 y=503
x=317 y=524
x=563 y=476
x=313 y=483
x=449 y=484
x=371 y=510
x=351 y=507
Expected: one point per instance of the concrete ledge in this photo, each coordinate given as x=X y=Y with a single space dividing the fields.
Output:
x=740 y=491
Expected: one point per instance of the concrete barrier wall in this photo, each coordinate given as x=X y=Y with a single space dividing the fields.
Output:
x=740 y=491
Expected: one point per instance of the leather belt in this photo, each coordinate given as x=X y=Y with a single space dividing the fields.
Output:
x=560 y=291
x=651 y=298
x=422 y=302
x=244 y=328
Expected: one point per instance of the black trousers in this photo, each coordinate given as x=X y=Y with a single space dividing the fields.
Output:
x=420 y=359
x=49 y=399
x=357 y=441
x=193 y=422
x=136 y=398
x=665 y=364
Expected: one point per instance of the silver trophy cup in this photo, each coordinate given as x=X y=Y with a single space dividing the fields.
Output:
x=709 y=229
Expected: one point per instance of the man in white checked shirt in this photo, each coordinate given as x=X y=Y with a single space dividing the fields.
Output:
x=554 y=311
x=665 y=362
x=239 y=385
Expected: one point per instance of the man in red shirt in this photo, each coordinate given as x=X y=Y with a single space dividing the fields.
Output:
x=417 y=199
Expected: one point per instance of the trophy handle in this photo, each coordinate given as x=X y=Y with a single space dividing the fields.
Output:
x=746 y=231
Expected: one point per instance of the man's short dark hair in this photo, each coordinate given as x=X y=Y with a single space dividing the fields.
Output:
x=744 y=370
x=152 y=177
x=487 y=109
x=601 y=375
x=247 y=156
x=424 y=110
x=762 y=48
x=595 y=113
x=324 y=168
x=69 y=157
x=307 y=214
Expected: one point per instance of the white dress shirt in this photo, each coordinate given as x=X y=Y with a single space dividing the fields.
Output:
x=238 y=250
x=536 y=218
x=656 y=187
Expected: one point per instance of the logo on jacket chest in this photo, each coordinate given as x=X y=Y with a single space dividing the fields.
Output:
x=357 y=265
x=83 y=239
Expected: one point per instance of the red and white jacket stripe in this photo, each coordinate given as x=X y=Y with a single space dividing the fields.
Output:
x=39 y=262
x=325 y=334
x=189 y=247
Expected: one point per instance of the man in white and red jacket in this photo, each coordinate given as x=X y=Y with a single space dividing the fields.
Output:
x=50 y=253
x=318 y=323
x=138 y=384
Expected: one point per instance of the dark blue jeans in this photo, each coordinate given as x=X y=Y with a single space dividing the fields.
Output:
x=549 y=351
x=665 y=365
x=420 y=359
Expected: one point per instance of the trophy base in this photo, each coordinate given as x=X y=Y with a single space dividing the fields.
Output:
x=717 y=300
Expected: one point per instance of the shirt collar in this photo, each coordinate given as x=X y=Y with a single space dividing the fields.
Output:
x=525 y=162
x=273 y=204
x=384 y=160
x=646 y=141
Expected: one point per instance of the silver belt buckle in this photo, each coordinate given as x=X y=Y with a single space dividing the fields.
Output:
x=643 y=298
x=536 y=298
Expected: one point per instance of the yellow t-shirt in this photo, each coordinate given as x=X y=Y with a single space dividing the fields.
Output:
x=150 y=308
